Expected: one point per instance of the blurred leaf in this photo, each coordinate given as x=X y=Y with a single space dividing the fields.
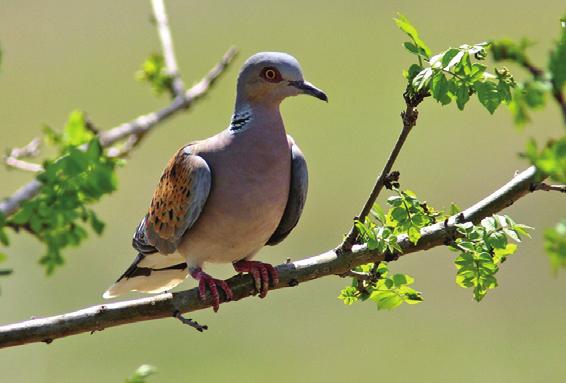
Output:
x=557 y=62
x=551 y=160
x=142 y=373
x=153 y=71
x=75 y=132
x=555 y=245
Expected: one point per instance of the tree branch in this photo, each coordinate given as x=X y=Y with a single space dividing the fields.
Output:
x=139 y=126
x=548 y=187
x=409 y=117
x=177 y=86
x=99 y=317
x=14 y=157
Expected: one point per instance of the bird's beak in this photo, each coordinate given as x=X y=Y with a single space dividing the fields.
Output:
x=308 y=88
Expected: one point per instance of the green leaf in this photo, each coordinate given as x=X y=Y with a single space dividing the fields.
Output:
x=557 y=62
x=399 y=214
x=4 y=240
x=414 y=234
x=488 y=95
x=405 y=25
x=144 y=371
x=555 y=245
x=349 y=295
x=439 y=88
x=386 y=300
x=551 y=160
x=499 y=255
x=462 y=96
x=534 y=94
x=454 y=209
x=75 y=132
x=154 y=72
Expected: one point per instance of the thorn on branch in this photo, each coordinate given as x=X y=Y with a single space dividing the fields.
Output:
x=188 y=321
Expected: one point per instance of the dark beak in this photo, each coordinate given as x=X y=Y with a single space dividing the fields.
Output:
x=308 y=88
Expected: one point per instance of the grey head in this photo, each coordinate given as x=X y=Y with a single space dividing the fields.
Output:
x=270 y=77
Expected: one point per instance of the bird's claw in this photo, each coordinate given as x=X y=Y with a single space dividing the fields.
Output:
x=204 y=281
x=261 y=273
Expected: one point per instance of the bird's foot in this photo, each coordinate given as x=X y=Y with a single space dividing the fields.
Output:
x=261 y=272
x=204 y=281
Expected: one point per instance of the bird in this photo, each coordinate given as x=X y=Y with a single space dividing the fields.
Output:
x=222 y=199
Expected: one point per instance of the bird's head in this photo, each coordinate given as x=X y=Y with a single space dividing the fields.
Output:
x=270 y=77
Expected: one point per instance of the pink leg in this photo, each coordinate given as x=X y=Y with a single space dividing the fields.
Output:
x=261 y=272
x=204 y=281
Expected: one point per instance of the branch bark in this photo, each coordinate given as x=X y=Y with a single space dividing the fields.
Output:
x=177 y=86
x=97 y=318
x=139 y=126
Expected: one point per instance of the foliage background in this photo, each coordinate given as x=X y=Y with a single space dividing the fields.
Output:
x=64 y=55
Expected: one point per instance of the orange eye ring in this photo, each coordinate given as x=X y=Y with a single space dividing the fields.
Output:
x=271 y=74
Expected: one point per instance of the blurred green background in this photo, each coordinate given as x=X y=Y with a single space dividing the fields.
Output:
x=61 y=55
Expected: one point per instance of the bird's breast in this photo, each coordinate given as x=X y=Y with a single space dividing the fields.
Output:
x=251 y=178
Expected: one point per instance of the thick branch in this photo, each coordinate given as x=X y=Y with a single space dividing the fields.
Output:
x=162 y=22
x=139 y=126
x=99 y=317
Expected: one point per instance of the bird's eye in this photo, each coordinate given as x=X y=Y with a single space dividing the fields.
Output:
x=271 y=74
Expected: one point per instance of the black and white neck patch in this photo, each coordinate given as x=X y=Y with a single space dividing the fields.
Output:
x=240 y=121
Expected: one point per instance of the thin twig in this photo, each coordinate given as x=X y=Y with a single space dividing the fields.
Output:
x=14 y=157
x=548 y=187
x=30 y=150
x=190 y=322
x=141 y=125
x=409 y=117
x=290 y=274
x=356 y=275
x=22 y=165
x=178 y=88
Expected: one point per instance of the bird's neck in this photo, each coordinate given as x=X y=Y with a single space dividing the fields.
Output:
x=247 y=116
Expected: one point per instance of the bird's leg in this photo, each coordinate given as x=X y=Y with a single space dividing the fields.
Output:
x=204 y=281
x=261 y=272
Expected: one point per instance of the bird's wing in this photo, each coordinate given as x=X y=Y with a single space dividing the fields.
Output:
x=297 y=195
x=177 y=203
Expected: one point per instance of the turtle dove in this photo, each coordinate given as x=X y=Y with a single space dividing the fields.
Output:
x=223 y=198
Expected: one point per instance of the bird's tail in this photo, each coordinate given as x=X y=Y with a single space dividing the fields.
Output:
x=147 y=277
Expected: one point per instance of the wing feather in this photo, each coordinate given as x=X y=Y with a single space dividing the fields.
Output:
x=177 y=201
x=297 y=195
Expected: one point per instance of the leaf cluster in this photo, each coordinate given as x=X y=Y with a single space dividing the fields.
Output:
x=388 y=292
x=153 y=71
x=406 y=216
x=58 y=216
x=482 y=249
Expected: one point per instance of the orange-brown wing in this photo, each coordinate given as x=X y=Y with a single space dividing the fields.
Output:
x=178 y=200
